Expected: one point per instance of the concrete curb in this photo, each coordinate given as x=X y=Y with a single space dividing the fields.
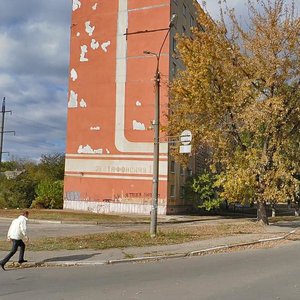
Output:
x=197 y=252
x=146 y=258
x=222 y=247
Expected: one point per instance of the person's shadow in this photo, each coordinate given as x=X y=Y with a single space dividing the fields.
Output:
x=70 y=258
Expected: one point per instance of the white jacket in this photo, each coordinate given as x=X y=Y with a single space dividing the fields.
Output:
x=17 y=229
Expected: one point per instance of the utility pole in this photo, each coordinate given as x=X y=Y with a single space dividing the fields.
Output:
x=156 y=123
x=3 y=111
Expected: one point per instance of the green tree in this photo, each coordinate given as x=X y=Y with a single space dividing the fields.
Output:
x=52 y=166
x=49 y=195
x=18 y=192
x=240 y=94
x=9 y=165
x=21 y=190
x=50 y=175
x=207 y=194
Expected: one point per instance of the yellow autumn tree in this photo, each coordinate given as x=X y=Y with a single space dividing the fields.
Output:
x=240 y=94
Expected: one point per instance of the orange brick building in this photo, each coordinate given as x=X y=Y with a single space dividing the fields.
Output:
x=109 y=153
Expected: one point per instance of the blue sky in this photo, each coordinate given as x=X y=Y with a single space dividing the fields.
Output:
x=34 y=47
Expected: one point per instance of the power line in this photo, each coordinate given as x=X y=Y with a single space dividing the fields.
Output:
x=37 y=124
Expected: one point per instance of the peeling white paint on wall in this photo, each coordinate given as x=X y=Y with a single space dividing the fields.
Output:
x=98 y=151
x=85 y=149
x=138 y=125
x=88 y=28
x=107 y=151
x=138 y=103
x=78 y=34
x=94 y=44
x=83 y=53
x=95 y=128
x=83 y=103
x=73 y=74
x=88 y=150
x=105 y=45
x=76 y=5
x=94 y=7
x=73 y=103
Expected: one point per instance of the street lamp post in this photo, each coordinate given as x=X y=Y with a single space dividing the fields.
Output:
x=156 y=127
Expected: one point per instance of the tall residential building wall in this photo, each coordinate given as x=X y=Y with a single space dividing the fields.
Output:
x=109 y=152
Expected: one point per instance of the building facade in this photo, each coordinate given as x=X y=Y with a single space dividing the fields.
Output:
x=109 y=152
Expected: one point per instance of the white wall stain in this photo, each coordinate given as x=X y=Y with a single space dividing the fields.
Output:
x=110 y=207
x=107 y=151
x=73 y=103
x=76 y=5
x=83 y=53
x=73 y=74
x=88 y=150
x=83 y=103
x=88 y=28
x=94 y=7
x=78 y=34
x=138 y=103
x=95 y=128
x=94 y=44
x=105 y=45
x=138 y=125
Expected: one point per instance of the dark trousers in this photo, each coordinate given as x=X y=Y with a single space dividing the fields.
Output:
x=14 y=248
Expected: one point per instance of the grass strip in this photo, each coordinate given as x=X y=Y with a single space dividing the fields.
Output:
x=283 y=219
x=140 y=238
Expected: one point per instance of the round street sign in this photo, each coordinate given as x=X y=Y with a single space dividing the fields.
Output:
x=186 y=137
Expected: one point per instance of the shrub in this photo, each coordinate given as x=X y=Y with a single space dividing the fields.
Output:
x=49 y=195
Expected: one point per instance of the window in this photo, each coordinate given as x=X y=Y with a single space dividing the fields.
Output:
x=181 y=170
x=182 y=192
x=172 y=168
x=174 y=69
x=174 y=45
x=184 y=10
x=192 y=21
x=172 y=141
x=172 y=191
x=201 y=27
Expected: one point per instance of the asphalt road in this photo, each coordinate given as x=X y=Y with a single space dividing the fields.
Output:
x=49 y=229
x=265 y=274
x=36 y=230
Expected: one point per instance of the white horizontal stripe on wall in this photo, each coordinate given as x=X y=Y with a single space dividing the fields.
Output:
x=116 y=167
x=107 y=207
x=113 y=177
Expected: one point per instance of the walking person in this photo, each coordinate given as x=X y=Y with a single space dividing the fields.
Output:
x=16 y=234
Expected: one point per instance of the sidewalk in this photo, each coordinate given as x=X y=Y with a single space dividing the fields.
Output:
x=134 y=254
